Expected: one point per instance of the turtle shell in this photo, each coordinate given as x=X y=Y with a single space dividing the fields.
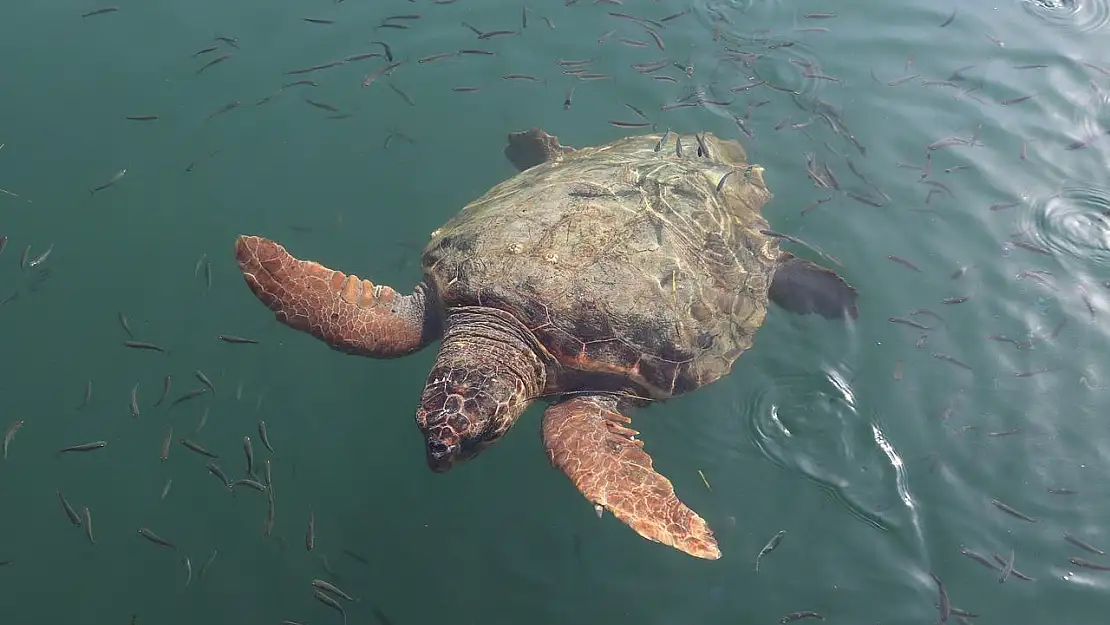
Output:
x=632 y=264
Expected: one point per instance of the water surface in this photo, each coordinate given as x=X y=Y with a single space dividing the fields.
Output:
x=879 y=459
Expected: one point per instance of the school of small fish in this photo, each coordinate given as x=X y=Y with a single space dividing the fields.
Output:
x=644 y=28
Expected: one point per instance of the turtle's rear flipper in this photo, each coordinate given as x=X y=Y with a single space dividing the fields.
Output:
x=803 y=287
x=529 y=148
x=349 y=314
x=586 y=438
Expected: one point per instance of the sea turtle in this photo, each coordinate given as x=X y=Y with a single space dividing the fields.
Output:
x=602 y=278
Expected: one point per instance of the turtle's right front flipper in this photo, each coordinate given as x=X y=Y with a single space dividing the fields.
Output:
x=586 y=438
x=349 y=314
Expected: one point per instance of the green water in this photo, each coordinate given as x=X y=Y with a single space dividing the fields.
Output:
x=876 y=481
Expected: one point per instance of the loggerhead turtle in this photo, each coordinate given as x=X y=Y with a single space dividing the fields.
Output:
x=604 y=278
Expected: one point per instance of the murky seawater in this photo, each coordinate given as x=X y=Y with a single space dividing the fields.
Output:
x=969 y=155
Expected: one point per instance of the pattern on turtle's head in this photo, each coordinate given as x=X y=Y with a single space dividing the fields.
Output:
x=482 y=381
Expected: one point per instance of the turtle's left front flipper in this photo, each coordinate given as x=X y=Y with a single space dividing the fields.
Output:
x=349 y=314
x=803 y=287
x=586 y=438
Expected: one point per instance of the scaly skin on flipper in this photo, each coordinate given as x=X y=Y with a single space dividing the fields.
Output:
x=349 y=314
x=587 y=439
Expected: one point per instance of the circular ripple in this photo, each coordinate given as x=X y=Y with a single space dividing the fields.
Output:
x=1079 y=15
x=1074 y=221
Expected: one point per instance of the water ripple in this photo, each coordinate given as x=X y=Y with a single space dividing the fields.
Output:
x=1080 y=15
x=816 y=431
x=1074 y=221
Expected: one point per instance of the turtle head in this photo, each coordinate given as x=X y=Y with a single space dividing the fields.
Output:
x=485 y=376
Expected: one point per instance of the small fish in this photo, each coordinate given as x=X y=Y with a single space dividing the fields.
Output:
x=167 y=384
x=1083 y=545
x=329 y=588
x=10 y=434
x=135 y=401
x=312 y=20
x=144 y=345
x=268 y=524
x=103 y=11
x=704 y=480
x=155 y=538
x=956 y=300
x=1015 y=100
x=361 y=56
x=166 y=488
x=1030 y=247
x=951 y=359
x=357 y=557
x=238 y=340
x=1062 y=491
x=981 y=559
x=497 y=33
x=207 y=563
x=208 y=263
x=268 y=473
x=948 y=20
x=797 y=616
x=769 y=547
x=215 y=469
x=255 y=484
x=332 y=603
x=85 y=447
x=404 y=96
x=1016 y=573
x=220 y=111
x=191 y=394
x=1010 y=511
x=248 y=450
x=310 y=533
x=1088 y=564
x=945 y=605
x=166 y=443
x=206 y=50
x=909 y=322
x=205 y=381
x=322 y=105
x=111 y=181
x=70 y=512
x=141 y=118
x=203 y=421
x=1007 y=568
x=126 y=323
x=436 y=57
x=215 y=61
x=188 y=571
x=197 y=448
x=88 y=525
x=381 y=71
x=903 y=262
x=385 y=48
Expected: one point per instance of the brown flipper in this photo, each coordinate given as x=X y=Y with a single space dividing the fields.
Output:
x=803 y=287
x=529 y=148
x=586 y=438
x=349 y=314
